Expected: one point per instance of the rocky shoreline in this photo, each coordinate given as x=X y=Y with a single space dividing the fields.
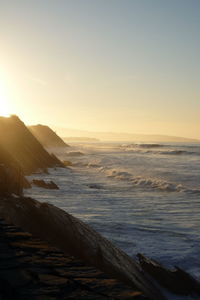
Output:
x=46 y=253
x=29 y=267
x=32 y=269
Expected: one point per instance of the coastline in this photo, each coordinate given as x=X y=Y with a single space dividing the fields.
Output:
x=29 y=252
x=32 y=269
x=21 y=217
x=75 y=238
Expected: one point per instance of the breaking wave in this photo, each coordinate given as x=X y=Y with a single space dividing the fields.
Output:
x=113 y=164
x=143 y=145
x=162 y=152
x=147 y=182
x=177 y=152
x=160 y=149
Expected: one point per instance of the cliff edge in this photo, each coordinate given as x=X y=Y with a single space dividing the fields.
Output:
x=46 y=136
x=20 y=143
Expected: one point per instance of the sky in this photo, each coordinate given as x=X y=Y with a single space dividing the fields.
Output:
x=102 y=65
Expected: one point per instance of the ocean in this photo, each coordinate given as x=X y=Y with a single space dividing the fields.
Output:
x=145 y=198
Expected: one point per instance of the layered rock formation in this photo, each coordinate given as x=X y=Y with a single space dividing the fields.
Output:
x=31 y=269
x=46 y=136
x=175 y=280
x=74 y=237
x=19 y=142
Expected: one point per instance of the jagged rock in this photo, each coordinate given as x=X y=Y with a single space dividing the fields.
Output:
x=24 y=147
x=176 y=281
x=46 y=136
x=46 y=185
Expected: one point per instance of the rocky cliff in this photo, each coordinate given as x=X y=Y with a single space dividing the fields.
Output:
x=20 y=143
x=46 y=136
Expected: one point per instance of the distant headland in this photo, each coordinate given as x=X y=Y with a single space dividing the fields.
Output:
x=120 y=136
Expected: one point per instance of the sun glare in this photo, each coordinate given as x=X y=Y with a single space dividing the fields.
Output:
x=4 y=108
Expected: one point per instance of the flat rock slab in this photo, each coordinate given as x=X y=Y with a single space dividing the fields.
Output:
x=31 y=269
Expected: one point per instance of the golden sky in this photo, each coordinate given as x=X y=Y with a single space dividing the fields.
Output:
x=102 y=65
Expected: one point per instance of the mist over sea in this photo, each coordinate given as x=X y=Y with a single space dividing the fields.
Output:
x=143 y=197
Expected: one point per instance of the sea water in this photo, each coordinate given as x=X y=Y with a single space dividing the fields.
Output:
x=145 y=198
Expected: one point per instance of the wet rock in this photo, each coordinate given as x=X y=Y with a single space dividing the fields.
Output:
x=95 y=186
x=176 y=281
x=47 y=185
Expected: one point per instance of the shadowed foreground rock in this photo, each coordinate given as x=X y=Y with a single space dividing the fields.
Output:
x=176 y=281
x=32 y=270
x=76 y=238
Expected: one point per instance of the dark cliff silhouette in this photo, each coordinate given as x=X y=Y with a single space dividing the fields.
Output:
x=19 y=142
x=46 y=136
x=12 y=180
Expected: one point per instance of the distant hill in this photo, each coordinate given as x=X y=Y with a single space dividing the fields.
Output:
x=46 y=136
x=123 y=136
x=19 y=142
x=80 y=139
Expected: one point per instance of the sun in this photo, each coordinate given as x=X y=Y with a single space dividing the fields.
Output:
x=4 y=107
x=4 y=111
